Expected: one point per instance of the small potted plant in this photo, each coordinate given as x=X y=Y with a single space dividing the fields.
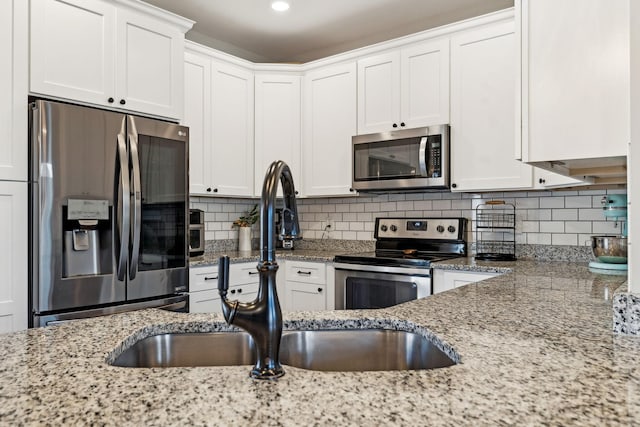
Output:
x=244 y=224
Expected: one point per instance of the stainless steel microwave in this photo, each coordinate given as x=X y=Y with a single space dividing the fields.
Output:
x=402 y=160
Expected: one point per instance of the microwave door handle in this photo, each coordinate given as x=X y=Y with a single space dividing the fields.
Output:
x=122 y=187
x=136 y=206
x=423 y=156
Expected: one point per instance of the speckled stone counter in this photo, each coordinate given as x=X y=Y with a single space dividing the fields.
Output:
x=211 y=258
x=535 y=347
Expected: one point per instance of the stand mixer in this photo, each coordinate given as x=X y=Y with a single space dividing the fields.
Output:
x=611 y=251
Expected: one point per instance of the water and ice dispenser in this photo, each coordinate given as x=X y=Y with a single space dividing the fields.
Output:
x=87 y=238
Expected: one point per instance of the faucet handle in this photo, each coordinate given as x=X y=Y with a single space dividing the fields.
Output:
x=223 y=275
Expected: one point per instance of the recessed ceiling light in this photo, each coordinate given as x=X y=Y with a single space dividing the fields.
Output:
x=280 y=6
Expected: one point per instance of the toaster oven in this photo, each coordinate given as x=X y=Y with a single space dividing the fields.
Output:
x=196 y=232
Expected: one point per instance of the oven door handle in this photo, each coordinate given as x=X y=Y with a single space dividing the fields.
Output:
x=405 y=271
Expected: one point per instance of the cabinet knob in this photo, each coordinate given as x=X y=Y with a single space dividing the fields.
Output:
x=233 y=291
x=402 y=124
x=454 y=185
x=320 y=290
x=110 y=100
x=215 y=190
x=395 y=125
x=209 y=190
x=352 y=190
x=297 y=192
x=541 y=181
x=122 y=102
x=240 y=290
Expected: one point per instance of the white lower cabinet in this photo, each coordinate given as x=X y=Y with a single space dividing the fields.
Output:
x=13 y=262
x=444 y=280
x=203 y=286
x=308 y=286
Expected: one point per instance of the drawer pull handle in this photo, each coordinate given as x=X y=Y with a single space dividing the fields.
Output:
x=211 y=278
x=251 y=273
x=307 y=273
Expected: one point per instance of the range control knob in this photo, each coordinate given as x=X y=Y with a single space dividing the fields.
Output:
x=451 y=229
x=440 y=228
x=394 y=228
x=383 y=227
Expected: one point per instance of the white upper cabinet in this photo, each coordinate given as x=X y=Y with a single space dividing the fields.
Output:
x=197 y=114
x=483 y=111
x=329 y=122
x=94 y=52
x=575 y=83
x=232 y=105
x=218 y=109
x=277 y=125
x=404 y=88
x=14 y=34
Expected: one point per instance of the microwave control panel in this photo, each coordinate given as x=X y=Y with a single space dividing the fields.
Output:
x=434 y=156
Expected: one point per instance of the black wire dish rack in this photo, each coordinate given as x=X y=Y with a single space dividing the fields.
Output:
x=496 y=231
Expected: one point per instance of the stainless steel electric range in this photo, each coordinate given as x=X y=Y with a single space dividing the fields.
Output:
x=400 y=268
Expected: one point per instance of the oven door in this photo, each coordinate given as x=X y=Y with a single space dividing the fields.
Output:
x=366 y=286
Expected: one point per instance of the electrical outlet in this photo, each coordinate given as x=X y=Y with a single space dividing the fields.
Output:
x=327 y=225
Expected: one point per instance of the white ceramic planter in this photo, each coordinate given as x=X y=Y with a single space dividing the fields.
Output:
x=244 y=239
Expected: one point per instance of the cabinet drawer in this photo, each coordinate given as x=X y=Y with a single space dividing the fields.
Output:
x=306 y=272
x=203 y=278
x=243 y=273
x=209 y=301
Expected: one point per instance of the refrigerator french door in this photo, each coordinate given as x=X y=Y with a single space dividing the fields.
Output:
x=108 y=212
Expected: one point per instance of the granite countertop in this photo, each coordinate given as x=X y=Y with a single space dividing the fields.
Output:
x=535 y=347
x=211 y=258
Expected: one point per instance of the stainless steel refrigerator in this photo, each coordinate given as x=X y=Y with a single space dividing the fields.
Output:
x=108 y=208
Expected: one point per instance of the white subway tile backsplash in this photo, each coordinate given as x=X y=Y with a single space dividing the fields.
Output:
x=552 y=202
x=405 y=206
x=577 y=227
x=578 y=202
x=542 y=217
x=551 y=226
x=564 y=214
x=590 y=214
x=564 y=239
x=539 y=238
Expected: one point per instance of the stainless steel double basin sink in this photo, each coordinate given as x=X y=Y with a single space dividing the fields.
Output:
x=319 y=350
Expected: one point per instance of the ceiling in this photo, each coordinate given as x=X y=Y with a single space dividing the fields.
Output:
x=314 y=29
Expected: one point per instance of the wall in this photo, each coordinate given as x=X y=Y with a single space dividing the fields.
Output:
x=543 y=217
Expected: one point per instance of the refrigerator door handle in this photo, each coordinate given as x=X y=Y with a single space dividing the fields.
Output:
x=137 y=206
x=123 y=222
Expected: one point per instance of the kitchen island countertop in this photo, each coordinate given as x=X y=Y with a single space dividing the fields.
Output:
x=535 y=346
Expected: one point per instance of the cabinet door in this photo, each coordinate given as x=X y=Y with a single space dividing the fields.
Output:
x=424 y=84
x=545 y=180
x=329 y=124
x=576 y=79
x=14 y=36
x=197 y=113
x=150 y=65
x=483 y=111
x=277 y=124
x=72 y=49
x=306 y=296
x=13 y=259
x=232 y=103
x=379 y=93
